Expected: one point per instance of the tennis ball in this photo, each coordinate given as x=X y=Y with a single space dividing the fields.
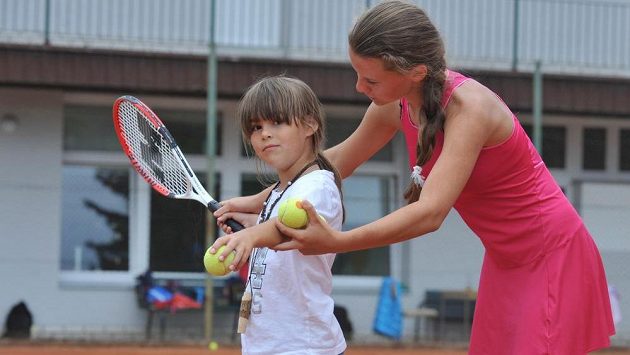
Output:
x=291 y=213
x=214 y=266
x=213 y=346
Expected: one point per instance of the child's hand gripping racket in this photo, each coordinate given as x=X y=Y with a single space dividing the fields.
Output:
x=155 y=155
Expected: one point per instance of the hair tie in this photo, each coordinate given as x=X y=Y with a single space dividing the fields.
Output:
x=416 y=176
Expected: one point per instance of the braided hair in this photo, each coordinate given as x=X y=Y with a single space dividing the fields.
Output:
x=403 y=37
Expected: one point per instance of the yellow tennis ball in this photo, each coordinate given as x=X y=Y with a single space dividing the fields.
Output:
x=213 y=346
x=214 y=266
x=291 y=213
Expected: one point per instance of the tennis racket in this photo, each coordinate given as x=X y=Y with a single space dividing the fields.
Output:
x=155 y=155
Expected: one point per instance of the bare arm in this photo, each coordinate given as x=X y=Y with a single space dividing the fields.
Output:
x=378 y=126
x=466 y=132
x=261 y=235
x=243 y=204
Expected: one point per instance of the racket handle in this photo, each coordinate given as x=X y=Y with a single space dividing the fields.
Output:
x=214 y=205
x=234 y=225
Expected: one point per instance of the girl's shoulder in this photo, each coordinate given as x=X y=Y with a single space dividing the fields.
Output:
x=316 y=179
x=475 y=103
x=473 y=98
x=316 y=185
x=319 y=188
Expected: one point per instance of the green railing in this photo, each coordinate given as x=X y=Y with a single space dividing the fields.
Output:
x=565 y=35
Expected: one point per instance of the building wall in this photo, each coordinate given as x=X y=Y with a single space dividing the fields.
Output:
x=30 y=218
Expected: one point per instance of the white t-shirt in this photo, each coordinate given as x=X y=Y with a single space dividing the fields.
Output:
x=292 y=311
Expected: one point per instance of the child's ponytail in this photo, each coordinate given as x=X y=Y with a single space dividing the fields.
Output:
x=325 y=164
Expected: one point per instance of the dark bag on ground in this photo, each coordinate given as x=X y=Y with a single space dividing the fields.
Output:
x=18 y=323
x=341 y=313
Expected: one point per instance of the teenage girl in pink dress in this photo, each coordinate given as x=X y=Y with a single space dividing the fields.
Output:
x=543 y=288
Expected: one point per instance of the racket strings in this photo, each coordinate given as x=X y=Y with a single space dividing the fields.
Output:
x=152 y=154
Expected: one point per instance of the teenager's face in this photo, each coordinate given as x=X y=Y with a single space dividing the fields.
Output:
x=383 y=86
x=283 y=146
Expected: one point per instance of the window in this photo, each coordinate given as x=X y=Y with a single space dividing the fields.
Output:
x=90 y=128
x=178 y=232
x=250 y=185
x=337 y=130
x=624 y=150
x=594 y=149
x=366 y=199
x=553 y=144
x=189 y=129
x=96 y=199
x=95 y=218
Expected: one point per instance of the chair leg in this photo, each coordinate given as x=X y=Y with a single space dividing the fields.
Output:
x=162 y=326
x=149 y=324
x=235 y=325
x=416 y=329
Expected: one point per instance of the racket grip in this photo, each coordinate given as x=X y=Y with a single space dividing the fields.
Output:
x=214 y=205
x=234 y=225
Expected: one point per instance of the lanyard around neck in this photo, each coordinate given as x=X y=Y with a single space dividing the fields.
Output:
x=266 y=212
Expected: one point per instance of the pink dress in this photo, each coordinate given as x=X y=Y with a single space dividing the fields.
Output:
x=542 y=288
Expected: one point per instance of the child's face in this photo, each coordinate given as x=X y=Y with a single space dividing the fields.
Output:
x=283 y=146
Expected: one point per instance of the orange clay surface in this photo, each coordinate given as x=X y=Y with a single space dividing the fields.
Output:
x=70 y=349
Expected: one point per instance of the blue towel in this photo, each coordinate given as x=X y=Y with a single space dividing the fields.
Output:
x=388 y=319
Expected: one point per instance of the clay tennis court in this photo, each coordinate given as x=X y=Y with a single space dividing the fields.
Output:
x=69 y=349
x=60 y=349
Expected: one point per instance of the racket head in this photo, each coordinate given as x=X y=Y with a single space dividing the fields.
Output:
x=150 y=147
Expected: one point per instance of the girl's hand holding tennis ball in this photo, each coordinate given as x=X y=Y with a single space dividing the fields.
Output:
x=239 y=244
x=317 y=238
x=215 y=266
x=292 y=215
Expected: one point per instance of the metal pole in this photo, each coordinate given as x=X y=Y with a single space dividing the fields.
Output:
x=211 y=134
x=47 y=23
x=286 y=24
x=515 y=36
x=538 y=106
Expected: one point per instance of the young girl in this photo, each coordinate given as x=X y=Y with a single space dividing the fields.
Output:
x=291 y=308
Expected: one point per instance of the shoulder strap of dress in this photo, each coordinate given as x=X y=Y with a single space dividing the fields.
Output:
x=453 y=81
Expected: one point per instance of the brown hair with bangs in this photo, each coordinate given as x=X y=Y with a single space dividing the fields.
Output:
x=287 y=100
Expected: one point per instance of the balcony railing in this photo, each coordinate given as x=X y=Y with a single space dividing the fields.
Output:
x=573 y=36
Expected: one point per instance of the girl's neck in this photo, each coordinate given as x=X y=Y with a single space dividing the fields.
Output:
x=415 y=97
x=415 y=101
x=415 y=114
x=293 y=173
